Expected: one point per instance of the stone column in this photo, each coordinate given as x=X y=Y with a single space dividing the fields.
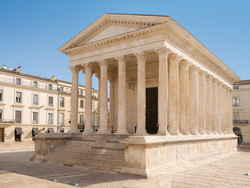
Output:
x=163 y=90
x=193 y=101
x=223 y=111
x=184 y=97
x=112 y=102
x=141 y=93
x=88 y=98
x=230 y=111
x=219 y=107
x=215 y=107
x=227 y=111
x=174 y=94
x=202 y=102
x=104 y=98
x=98 y=108
x=209 y=98
x=121 y=129
x=74 y=99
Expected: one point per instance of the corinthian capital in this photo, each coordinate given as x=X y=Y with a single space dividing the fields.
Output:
x=141 y=57
x=184 y=64
x=103 y=63
x=75 y=68
x=164 y=51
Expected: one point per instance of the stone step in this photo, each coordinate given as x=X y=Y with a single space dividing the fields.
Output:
x=90 y=156
x=100 y=144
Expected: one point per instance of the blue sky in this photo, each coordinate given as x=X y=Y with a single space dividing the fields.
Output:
x=32 y=30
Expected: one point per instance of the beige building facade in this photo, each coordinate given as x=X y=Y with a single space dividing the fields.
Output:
x=241 y=109
x=30 y=104
x=169 y=94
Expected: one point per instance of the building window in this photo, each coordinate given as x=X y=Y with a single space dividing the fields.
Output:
x=236 y=101
x=18 y=97
x=81 y=119
x=61 y=89
x=1 y=115
x=18 y=81
x=49 y=87
x=61 y=118
x=236 y=87
x=62 y=102
x=50 y=101
x=81 y=103
x=18 y=116
x=81 y=93
x=50 y=118
x=1 y=95
x=236 y=115
x=35 y=118
x=35 y=84
x=35 y=99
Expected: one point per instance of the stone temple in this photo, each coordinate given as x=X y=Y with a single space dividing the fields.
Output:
x=170 y=98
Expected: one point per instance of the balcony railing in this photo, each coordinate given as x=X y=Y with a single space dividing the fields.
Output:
x=240 y=122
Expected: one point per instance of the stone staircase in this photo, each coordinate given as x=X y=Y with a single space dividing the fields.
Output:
x=94 y=152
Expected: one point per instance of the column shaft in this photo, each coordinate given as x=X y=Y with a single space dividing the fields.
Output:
x=74 y=100
x=231 y=111
x=104 y=98
x=141 y=93
x=174 y=94
x=215 y=107
x=208 y=103
x=112 y=103
x=163 y=91
x=223 y=105
x=184 y=97
x=121 y=96
x=88 y=99
x=202 y=102
x=193 y=110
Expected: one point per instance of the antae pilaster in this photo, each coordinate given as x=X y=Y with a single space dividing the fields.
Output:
x=121 y=95
x=163 y=90
x=141 y=93
x=223 y=105
x=103 y=98
x=184 y=97
x=74 y=99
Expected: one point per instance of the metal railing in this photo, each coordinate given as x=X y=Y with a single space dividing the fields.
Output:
x=240 y=121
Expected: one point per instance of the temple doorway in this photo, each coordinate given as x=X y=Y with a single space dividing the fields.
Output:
x=152 y=110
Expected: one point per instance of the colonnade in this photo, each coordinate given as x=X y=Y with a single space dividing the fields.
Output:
x=191 y=100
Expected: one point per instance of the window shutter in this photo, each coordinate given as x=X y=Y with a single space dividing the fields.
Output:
x=47 y=86
x=14 y=80
x=38 y=85
x=31 y=83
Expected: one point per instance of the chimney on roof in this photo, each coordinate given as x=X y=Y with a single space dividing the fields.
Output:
x=5 y=67
x=18 y=69
x=53 y=78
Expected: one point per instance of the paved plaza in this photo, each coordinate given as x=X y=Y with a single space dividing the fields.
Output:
x=217 y=172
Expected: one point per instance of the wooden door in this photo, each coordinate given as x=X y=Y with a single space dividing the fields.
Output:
x=1 y=134
x=152 y=110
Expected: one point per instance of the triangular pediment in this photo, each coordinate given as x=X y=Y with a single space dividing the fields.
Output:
x=111 y=25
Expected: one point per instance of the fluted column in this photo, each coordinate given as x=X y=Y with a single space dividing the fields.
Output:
x=227 y=111
x=184 y=97
x=112 y=102
x=193 y=102
x=88 y=98
x=219 y=107
x=141 y=93
x=163 y=90
x=215 y=107
x=104 y=98
x=202 y=102
x=208 y=103
x=223 y=105
x=74 y=99
x=230 y=111
x=174 y=94
x=98 y=108
x=121 y=96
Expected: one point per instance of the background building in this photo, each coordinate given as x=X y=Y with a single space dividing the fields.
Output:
x=241 y=109
x=30 y=104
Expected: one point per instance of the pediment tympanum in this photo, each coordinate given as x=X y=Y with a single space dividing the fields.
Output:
x=110 y=25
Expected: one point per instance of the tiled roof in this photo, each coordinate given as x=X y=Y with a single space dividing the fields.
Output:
x=27 y=75
x=242 y=82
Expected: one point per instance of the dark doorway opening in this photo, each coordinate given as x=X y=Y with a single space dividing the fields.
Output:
x=1 y=134
x=152 y=110
x=18 y=134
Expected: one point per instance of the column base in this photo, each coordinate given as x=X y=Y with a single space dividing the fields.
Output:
x=163 y=133
x=121 y=132
x=73 y=130
x=87 y=131
x=103 y=132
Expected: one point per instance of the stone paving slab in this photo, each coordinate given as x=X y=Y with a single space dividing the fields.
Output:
x=11 y=180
